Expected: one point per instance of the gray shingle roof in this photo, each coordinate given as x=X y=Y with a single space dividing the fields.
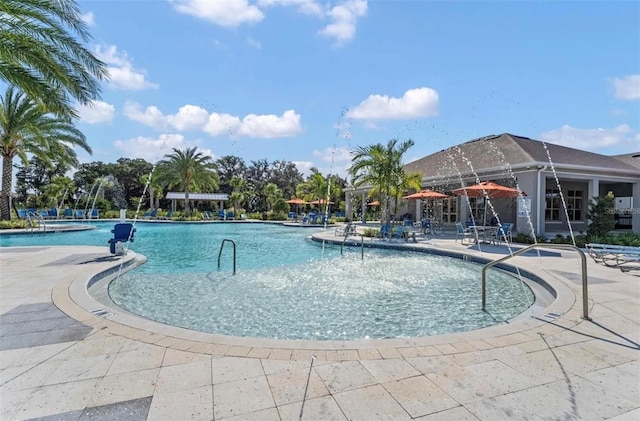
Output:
x=499 y=151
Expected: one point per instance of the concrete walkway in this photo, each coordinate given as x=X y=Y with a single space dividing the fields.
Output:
x=66 y=356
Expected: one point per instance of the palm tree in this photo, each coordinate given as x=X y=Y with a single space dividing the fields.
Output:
x=41 y=53
x=272 y=192
x=58 y=189
x=26 y=128
x=189 y=170
x=381 y=167
x=237 y=195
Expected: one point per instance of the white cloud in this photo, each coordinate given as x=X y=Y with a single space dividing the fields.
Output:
x=194 y=118
x=341 y=154
x=308 y=7
x=227 y=13
x=88 y=18
x=96 y=112
x=590 y=139
x=154 y=149
x=253 y=43
x=344 y=18
x=189 y=117
x=627 y=88
x=304 y=167
x=218 y=124
x=415 y=103
x=122 y=74
x=343 y=15
x=151 y=116
x=270 y=125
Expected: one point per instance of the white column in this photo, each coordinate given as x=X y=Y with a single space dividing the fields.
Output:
x=364 y=207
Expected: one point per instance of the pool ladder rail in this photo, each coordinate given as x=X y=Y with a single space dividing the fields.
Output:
x=234 y=253
x=583 y=259
x=39 y=221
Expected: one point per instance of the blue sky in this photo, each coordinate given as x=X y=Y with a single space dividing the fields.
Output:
x=309 y=80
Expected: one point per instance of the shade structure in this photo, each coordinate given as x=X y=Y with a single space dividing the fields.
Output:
x=489 y=190
x=296 y=201
x=374 y=203
x=320 y=202
x=426 y=194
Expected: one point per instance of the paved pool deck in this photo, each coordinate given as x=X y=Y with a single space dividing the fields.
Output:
x=65 y=355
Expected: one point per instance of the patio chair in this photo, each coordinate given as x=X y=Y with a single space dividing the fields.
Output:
x=93 y=214
x=399 y=234
x=345 y=230
x=68 y=213
x=231 y=215
x=22 y=213
x=79 y=214
x=122 y=233
x=53 y=213
x=503 y=232
x=463 y=232
x=385 y=231
x=222 y=215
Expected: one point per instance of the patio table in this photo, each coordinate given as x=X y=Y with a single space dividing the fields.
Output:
x=484 y=230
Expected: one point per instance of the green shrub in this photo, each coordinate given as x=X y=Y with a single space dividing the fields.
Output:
x=371 y=232
x=277 y=216
x=13 y=224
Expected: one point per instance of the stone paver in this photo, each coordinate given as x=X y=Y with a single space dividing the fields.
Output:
x=66 y=363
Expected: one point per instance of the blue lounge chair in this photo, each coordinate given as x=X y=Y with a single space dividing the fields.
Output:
x=43 y=214
x=79 y=214
x=93 y=214
x=206 y=214
x=167 y=216
x=22 y=213
x=222 y=215
x=150 y=214
x=230 y=215
x=68 y=213
x=53 y=213
x=122 y=233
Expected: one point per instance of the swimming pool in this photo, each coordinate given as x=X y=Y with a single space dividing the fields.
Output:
x=288 y=287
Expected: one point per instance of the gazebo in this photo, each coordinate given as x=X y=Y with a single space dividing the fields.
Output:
x=212 y=197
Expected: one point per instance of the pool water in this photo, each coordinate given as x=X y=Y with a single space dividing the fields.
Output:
x=288 y=287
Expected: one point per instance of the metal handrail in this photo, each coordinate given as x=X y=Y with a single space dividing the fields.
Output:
x=39 y=219
x=361 y=243
x=234 y=253
x=585 y=296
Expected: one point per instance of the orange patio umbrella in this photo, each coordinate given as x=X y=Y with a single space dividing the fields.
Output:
x=489 y=190
x=296 y=201
x=320 y=202
x=426 y=194
x=374 y=203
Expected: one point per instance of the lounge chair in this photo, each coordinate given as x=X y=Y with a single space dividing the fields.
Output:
x=151 y=213
x=206 y=214
x=68 y=213
x=79 y=214
x=53 y=213
x=503 y=232
x=222 y=215
x=22 y=213
x=231 y=215
x=462 y=232
x=122 y=233
x=167 y=216
x=93 y=214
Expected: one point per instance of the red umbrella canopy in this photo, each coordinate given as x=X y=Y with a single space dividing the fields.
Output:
x=426 y=194
x=489 y=189
x=296 y=201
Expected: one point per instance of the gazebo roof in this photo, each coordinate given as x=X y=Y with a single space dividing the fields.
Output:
x=198 y=196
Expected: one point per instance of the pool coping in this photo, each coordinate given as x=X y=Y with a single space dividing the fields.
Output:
x=73 y=297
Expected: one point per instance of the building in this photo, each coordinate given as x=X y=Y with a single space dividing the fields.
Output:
x=558 y=182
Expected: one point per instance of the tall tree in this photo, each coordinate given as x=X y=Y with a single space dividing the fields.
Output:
x=26 y=128
x=41 y=53
x=381 y=168
x=230 y=167
x=286 y=176
x=189 y=170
